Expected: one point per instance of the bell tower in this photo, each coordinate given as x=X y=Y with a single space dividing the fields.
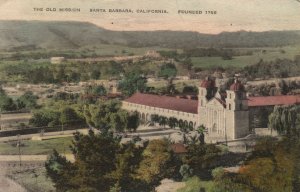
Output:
x=237 y=113
x=207 y=91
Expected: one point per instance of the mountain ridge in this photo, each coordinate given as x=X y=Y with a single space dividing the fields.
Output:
x=74 y=34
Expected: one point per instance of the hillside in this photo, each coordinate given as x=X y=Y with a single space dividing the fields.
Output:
x=26 y=35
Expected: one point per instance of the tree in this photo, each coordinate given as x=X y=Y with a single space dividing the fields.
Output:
x=108 y=115
x=185 y=172
x=119 y=121
x=230 y=183
x=61 y=74
x=27 y=100
x=6 y=103
x=172 y=122
x=227 y=55
x=99 y=90
x=131 y=83
x=170 y=89
x=154 y=118
x=95 y=74
x=158 y=163
x=283 y=119
x=167 y=71
x=201 y=130
x=94 y=162
x=190 y=90
x=59 y=170
x=45 y=117
x=133 y=121
x=163 y=121
x=69 y=116
x=74 y=76
x=201 y=158
x=99 y=115
x=184 y=126
x=127 y=160
x=272 y=165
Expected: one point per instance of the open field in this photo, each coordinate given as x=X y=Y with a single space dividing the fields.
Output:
x=87 y=51
x=270 y=54
x=30 y=147
x=117 y=50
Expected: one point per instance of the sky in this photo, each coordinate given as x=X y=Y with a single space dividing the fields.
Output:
x=231 y=15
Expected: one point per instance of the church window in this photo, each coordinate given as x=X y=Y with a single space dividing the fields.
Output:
x=229 y=106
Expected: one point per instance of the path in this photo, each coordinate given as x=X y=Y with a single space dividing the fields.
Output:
x=9 y=185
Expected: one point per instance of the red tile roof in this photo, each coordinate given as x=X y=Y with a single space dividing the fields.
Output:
x=273 y=100
x=178 y=148
x=164 y=102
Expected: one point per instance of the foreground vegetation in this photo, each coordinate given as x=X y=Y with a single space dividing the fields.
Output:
x=194 y=184
x=273 y=165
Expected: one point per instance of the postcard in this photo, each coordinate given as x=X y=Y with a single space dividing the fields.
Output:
x=144 y=96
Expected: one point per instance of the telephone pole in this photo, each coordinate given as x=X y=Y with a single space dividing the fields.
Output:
x=19 y=148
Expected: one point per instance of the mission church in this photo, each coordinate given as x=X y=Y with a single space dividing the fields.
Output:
x=226 y=116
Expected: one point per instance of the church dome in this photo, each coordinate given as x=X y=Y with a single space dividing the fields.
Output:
x=237 y=86
x=207 y=83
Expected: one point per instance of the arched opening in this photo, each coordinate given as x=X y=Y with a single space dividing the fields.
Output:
x=186 y=124
x=214 y=128
x=215 y=120
x=143 y=118
x=191 y=125
x=147 y=117
x=180 y=124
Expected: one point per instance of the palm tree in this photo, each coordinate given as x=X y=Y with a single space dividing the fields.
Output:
x=163 y=121
x=201 y=130
x=172 y=122
x=154 y=118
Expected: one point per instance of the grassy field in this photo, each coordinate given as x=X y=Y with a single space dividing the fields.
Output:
x=89 y=51
x=30 y=147
x=33 y=180
x=270 y=54
x=194 y=184
x=104 y=49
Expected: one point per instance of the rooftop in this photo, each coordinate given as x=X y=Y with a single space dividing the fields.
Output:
x=190 y=106
x=273 y=100
x=164 y=102
x=178 y=148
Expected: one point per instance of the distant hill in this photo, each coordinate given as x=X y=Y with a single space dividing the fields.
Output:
x=26 y=35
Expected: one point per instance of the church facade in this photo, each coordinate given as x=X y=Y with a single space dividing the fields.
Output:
x=226 y=116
